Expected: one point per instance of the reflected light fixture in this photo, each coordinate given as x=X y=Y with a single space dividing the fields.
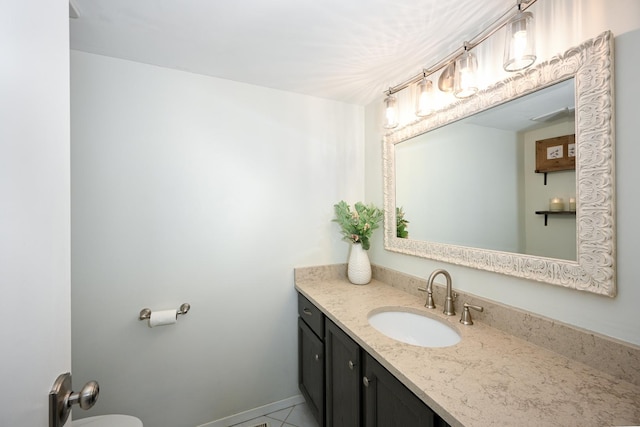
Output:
x=519 y=46
x=466 y=74
x=390 y=112
x=424 y=97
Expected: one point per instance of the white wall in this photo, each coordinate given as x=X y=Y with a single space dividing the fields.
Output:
x=187 y=188
x=34 y=207
x=569 y=22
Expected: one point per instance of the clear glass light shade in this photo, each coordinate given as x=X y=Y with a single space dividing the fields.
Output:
x=390 y=112
x=519 y=46
x=424 y=97
x=466 y=75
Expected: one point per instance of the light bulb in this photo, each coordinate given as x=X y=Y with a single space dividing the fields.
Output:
x=519 y=44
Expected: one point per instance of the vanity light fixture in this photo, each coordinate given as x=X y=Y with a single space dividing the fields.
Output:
x=424 y=97
x=464 y=82
x=390 y=112
x=519 y=54
x=519 y=47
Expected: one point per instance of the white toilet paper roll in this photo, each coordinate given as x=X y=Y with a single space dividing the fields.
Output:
x=163 y=317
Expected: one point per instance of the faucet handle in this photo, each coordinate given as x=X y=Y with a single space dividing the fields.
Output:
x=465 y=319
x=430 y=303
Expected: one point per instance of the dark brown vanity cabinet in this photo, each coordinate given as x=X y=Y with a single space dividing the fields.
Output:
x=311 y=357
x=387 y=402
x=345 y=386
x=343 y=378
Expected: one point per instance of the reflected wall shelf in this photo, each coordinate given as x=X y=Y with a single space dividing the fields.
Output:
x=547 y=213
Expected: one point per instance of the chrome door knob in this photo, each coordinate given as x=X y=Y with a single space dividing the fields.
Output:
x=86 y=397
x=62 y=398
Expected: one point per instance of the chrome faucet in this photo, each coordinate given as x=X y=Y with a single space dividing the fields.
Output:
x=448 y=301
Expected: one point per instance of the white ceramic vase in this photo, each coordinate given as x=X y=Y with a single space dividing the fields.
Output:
x=359 y=270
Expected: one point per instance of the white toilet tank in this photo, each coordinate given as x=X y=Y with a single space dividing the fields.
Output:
x=114 y=420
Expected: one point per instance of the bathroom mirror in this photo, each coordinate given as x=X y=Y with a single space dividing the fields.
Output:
x=497 y=210
x=590 y=264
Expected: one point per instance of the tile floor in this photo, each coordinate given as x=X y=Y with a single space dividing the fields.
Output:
x=295 y=416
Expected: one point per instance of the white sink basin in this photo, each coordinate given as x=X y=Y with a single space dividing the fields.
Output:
x=412 y=328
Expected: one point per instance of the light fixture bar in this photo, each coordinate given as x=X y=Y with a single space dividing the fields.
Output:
x=475 y=41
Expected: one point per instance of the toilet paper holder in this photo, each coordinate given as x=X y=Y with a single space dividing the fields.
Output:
x=145 y=313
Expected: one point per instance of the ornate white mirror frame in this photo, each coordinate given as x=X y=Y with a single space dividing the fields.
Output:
x=591 y=64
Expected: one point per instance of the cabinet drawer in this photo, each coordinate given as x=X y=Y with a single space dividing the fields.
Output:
x=311 y=316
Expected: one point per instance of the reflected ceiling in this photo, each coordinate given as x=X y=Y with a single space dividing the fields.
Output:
x=535 y=110
x=346 y=50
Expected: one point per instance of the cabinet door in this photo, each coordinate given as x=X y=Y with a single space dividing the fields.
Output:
x=388 y=403
x=343 y=375
x=311 y=370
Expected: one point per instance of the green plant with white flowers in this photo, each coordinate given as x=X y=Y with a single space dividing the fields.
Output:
x=358 y=224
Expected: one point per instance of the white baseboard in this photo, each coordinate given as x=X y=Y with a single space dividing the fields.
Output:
x=256 y=412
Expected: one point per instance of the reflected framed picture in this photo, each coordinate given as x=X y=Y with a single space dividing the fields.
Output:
x=556 y=154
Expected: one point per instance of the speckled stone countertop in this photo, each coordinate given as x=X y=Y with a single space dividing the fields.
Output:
x=490 y=378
